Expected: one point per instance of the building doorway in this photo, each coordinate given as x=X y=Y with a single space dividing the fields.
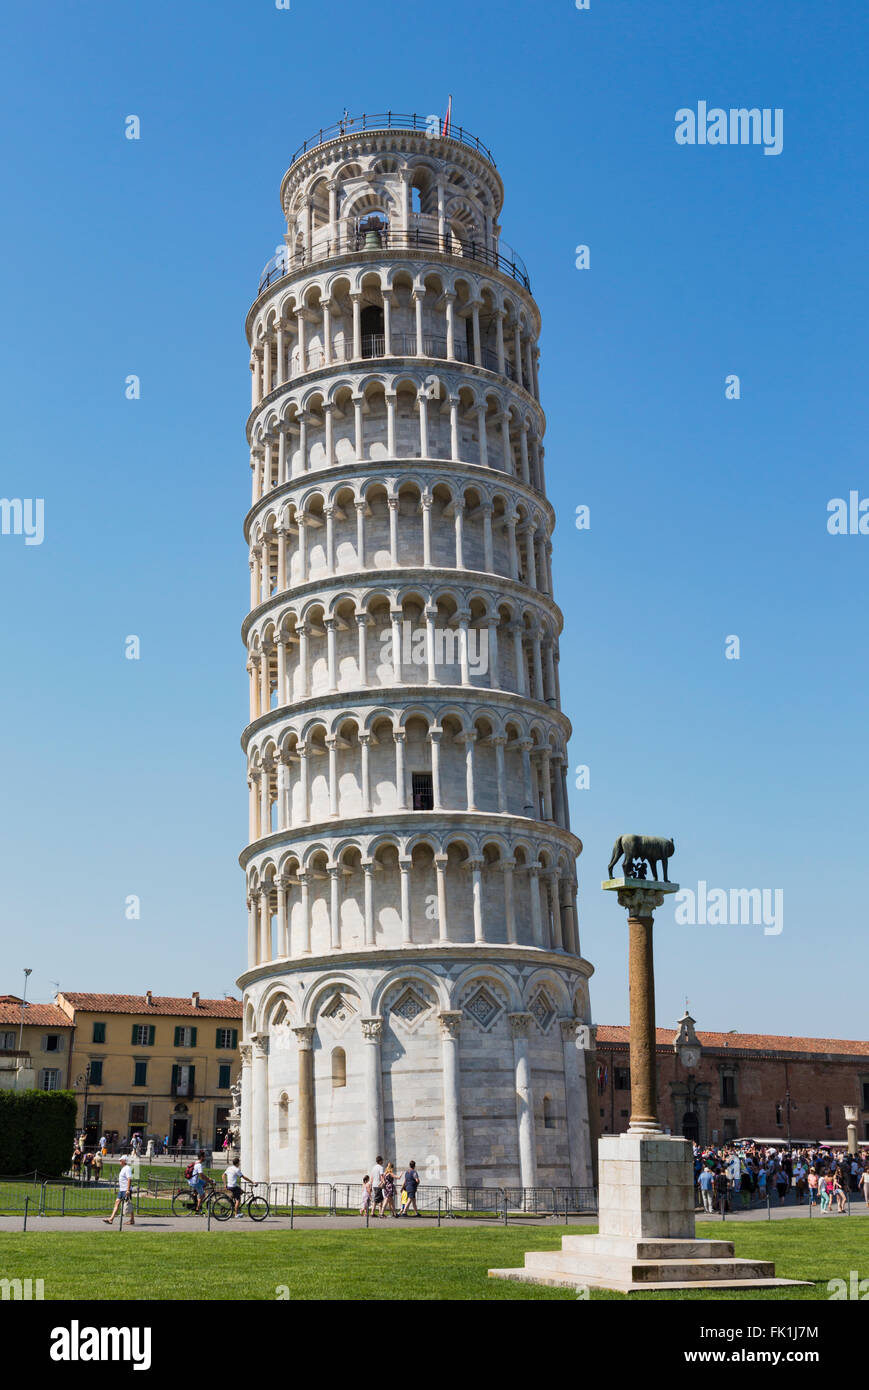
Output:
x=221 y=1127
x=691 y=1126
x=180 y=1130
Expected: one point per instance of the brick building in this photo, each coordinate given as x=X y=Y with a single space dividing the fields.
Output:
x=746 y=1085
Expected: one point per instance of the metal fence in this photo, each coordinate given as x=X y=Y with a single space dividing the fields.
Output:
x=153 y=1196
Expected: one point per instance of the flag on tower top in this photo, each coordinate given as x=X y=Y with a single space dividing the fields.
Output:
x=448 y=117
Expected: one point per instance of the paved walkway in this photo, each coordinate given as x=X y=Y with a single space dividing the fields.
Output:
x=12 y=1224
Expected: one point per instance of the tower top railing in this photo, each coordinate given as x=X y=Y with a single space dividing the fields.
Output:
x=391 y=120
x=399 y=239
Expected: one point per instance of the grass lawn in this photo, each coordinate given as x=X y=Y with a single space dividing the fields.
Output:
x=427 y=1263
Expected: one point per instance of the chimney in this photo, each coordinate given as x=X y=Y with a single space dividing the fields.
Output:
x=194 y=999
x=148 y=999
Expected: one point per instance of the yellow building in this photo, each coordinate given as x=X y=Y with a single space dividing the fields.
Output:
x=155 y=1066
x=35 y=1048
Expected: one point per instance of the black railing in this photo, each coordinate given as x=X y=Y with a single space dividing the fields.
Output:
x=399 y=239
x=392 y=120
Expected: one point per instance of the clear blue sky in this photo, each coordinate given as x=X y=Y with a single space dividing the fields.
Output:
x=708 y=516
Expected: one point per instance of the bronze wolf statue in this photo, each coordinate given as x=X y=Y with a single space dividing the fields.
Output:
x=649 y=847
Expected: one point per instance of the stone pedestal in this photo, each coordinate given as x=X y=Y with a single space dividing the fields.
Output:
x=646 y=1236
x=646 y=1187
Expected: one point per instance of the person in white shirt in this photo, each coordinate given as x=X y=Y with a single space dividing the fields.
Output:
x=377 y=1185
x=197 y=1180
x=125 y=1188
x=233 y=1177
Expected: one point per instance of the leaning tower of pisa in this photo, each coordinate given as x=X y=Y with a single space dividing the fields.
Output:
x=414 y=984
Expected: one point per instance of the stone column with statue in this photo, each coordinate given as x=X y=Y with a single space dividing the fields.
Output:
x=647 y=1237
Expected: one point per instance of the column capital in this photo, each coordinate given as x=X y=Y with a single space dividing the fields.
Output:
x=260 y=1043
x=372 y=1029
x=451 y=1023
x=246 y=1052
x=519 y=1024
x=305 y=1037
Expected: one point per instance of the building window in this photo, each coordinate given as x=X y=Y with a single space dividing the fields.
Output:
x=828 y=1118
x=99 y=1033
x=224 y=1080
x=423 y=791
x=339 y=1068
x=185 y=1037
x=622 y=1078
x=143 y=1035
x=728 y=1090
x=140 y=1073
x=548 y=1120
x=95 y=1076
x=728 y=1130
x=7 y=1042
x=866 y=1095
x=623 y=1114
x=778 y=1114
x=183 y=1080
x=52 y=1042
x=227 y=1038
x=138 y=1115
x=49 y=1079
x=93 y=1115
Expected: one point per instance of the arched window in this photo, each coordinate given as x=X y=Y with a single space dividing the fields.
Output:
x=372 y=330
x=548 y=1120
x=339 y=1068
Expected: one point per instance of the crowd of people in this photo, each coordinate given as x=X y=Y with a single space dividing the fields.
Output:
x=736 y=1174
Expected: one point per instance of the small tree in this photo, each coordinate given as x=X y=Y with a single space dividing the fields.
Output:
x=37 y=1131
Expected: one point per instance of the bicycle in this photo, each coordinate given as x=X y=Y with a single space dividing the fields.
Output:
x=184 y=1202
x=257 y=1207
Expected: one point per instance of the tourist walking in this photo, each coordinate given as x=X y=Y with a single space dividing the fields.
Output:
x=813 y=1182
x=76 y=1162
x=125 y=1190
x=377 y=1185
x=409 y=1185
x=366 y=1195
x=864 y=1183
x=707 y=1188
x=97 y=1165
x=389 y=1189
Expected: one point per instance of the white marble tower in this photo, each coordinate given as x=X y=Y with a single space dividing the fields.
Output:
x=414 y=985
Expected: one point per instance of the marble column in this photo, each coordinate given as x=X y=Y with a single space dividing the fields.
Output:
x=246 y=1051
x=307 y=1118
x=372 y=1035
x=574 y=1036
x=454 y=1145
x=260 y=1108
x=519 y=1024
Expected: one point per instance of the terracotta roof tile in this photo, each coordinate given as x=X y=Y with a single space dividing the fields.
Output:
x=160 y=1005
x=747 y=1042
x=34 y=1014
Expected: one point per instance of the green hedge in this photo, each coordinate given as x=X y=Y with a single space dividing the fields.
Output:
x=37 y=1131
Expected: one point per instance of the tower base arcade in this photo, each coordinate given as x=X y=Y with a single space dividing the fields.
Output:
x=471 y=1061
